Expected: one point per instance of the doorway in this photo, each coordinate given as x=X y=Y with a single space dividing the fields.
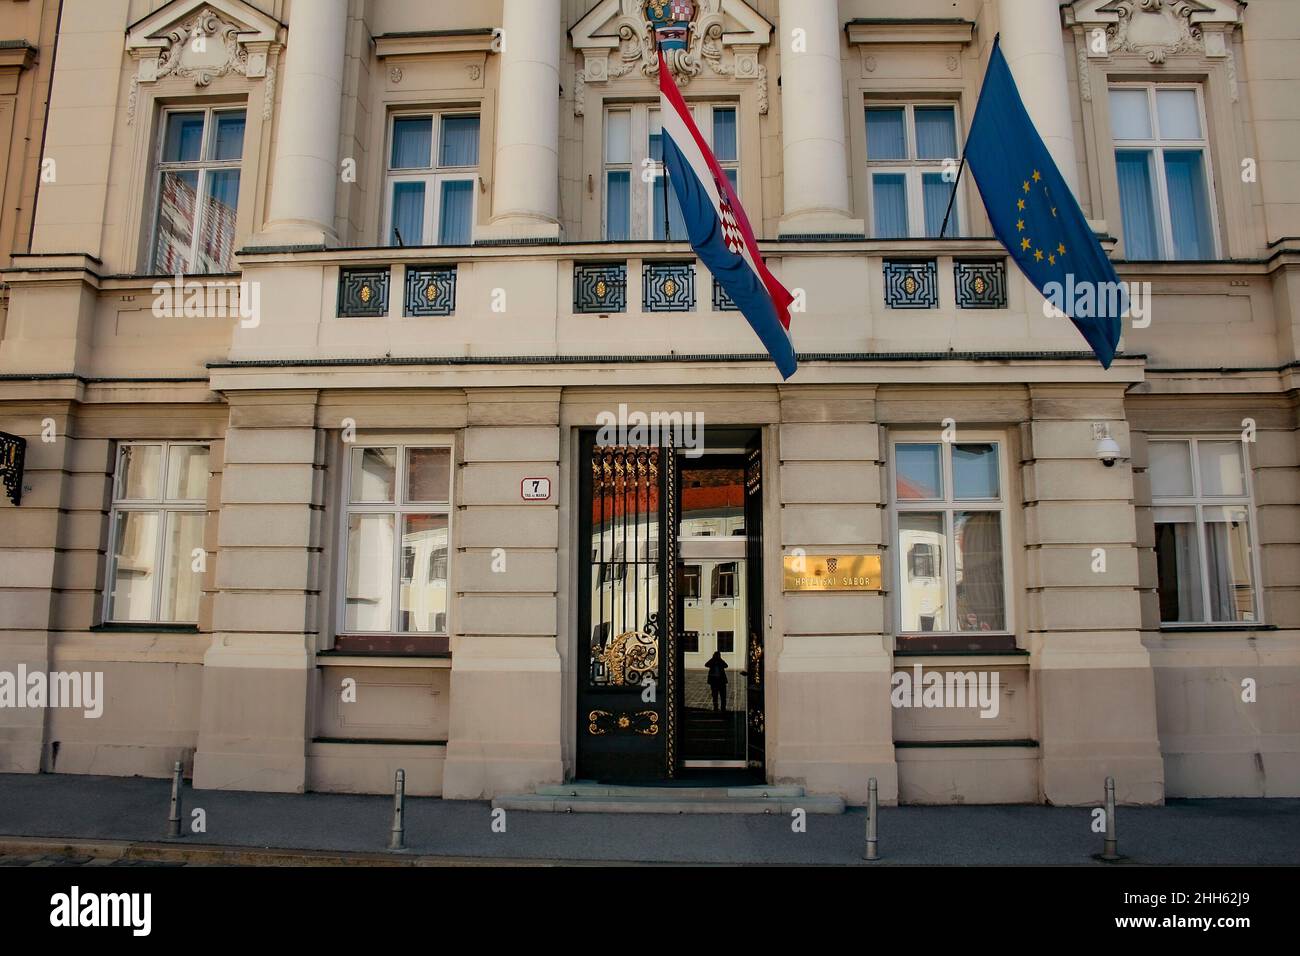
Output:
x=670 y=614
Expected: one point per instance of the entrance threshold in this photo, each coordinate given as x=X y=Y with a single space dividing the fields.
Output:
x=580 y=797
x=714 y=764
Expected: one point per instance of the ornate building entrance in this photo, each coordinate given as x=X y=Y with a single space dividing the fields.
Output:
x=670 y=641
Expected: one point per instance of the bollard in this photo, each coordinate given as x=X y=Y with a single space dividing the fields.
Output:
x=872 y=810
x=397 y=840
x=1108 y=851
x=174 y=816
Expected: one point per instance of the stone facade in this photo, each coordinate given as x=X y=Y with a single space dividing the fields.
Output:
x=97 y=353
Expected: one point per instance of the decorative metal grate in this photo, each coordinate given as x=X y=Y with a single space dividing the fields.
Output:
x=13 y=452
x=599 y=287
x=911 y=284
x=721 y=301
x=363 y=293
x=668 y=287
x=430 y=291
x=981 y=284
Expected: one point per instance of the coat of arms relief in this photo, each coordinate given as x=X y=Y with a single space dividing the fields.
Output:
x=621 y=38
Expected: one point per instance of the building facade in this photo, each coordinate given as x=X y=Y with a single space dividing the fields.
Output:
x=373 y=411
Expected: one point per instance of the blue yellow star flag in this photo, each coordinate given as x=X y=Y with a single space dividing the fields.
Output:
x=1036 y=217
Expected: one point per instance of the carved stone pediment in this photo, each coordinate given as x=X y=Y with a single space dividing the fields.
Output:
x=1155 y=29
x=623 y=38
x=202 y=40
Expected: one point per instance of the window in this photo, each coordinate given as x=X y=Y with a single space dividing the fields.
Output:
x=398 y=505
x=160 y=493
x=724 y=582
x=634 y=208
x=1200 y=490
x=1164 y=173
x=691 y=642
x=432 y=179
x=197 y=186
x=727 y=641
x=907 y=147
x=950 y=509
x=690 y=582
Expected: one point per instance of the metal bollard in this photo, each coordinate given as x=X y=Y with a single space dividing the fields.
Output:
x=397 y=840
x=872 y=814
x=1108 y=851
x=174 y=815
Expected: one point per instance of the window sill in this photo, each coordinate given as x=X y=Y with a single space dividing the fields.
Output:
x=115 y=628
x=391 y=645
x=383 y=659
x=1214 y=628
x=960 y=644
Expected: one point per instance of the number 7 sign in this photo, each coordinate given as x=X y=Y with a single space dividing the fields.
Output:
x=535 y=489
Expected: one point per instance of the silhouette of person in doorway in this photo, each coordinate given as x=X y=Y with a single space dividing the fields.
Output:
x=718 y=680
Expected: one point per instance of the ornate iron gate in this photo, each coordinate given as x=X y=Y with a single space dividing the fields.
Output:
x=626 y=616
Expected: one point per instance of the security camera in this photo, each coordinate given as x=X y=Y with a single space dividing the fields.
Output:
x=1107 y=451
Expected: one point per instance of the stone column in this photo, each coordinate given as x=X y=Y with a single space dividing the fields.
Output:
x=257 y=674
x=1032 y=42
x=1093 y=677
x=506 y=678
x=833 y=728
x=816 y=168
x=525 y=191
x=307 y=139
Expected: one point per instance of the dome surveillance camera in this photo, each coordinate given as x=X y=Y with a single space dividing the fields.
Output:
x=1107 y=451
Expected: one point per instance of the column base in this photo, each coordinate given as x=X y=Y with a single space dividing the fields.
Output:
x=518 y=228
x=293 y=233
x=253 y=716
x=505 y=717
x=821 y=224
x=1097 y=714
x=835 y=725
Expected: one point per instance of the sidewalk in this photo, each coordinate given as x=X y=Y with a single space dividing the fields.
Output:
x=68 y=813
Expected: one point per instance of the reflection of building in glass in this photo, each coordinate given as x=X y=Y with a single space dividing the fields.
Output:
x=424 y=580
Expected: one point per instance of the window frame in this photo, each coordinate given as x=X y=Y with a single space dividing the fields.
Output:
x=913 y=168
x=1156 y=148
x=1198 y=502
x=202 y=166
x=163 y=506
x=641 y=227
x=948 y=505
x=399 y=508
x=433 y=176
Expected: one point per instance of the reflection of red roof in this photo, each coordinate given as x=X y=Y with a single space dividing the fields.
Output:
x=909 y=489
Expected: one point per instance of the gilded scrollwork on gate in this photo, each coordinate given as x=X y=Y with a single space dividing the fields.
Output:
x=629 y=658
x=642 y=722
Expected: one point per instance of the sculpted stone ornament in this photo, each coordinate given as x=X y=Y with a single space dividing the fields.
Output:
x=622 y=37
x=206 y=47
x=1156 y=29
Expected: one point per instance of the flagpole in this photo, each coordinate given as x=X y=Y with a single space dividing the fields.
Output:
x=997 y=41
x=960 y=169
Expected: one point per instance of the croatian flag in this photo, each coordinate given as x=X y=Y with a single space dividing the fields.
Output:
x=718 y=230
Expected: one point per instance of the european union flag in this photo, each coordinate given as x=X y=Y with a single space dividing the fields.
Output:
x=1036 y=217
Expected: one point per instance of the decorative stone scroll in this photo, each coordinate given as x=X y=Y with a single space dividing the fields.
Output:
x=623 y=38
x=203 y=40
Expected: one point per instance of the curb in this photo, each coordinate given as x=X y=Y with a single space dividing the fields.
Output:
x=212 y=854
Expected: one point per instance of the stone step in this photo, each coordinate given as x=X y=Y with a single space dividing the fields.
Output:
x=597 y=798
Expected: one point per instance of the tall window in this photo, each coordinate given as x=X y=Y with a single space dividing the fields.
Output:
x=197 y=185
x=1164 y=172
x=950 y=508
x=432 y=179
x=1200 y=490
x=399 y=500
x=907 y=145
x=160 y=492
x=634 y=207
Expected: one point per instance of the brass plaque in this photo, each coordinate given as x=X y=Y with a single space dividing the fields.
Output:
x=838 y=572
